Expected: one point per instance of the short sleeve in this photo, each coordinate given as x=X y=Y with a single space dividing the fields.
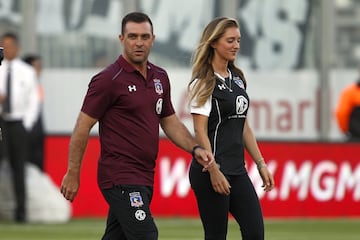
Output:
x=202 y=110
x=168 y=108
x=98 y=97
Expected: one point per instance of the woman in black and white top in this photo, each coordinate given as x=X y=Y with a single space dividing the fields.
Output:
x=219 y=104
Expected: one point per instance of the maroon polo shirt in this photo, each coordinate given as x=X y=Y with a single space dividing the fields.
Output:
x=128 y=108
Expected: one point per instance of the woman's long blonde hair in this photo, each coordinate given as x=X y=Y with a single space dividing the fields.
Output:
x=202 y=58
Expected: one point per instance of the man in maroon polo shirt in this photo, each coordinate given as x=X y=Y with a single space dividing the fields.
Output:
x=129 y=99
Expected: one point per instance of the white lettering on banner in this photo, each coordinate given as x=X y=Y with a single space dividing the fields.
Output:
x=174 y=176
x=324 y=180
x=347 y=181
x=292 y=178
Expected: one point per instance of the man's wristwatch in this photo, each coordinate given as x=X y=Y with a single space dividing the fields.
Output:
x=194 y=149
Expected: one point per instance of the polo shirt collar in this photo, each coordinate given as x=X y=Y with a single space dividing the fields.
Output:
x=127 y=66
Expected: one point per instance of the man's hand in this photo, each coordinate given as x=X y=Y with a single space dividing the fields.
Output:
x=203 y=157
x=70 y=185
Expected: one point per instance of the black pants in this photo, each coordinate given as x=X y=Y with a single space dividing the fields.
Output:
x=129 y=216
x=36 y=144
x=15 y=149
x=242 y=203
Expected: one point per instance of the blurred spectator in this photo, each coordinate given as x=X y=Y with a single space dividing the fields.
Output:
x=348 y=111
x=100 y=59
x=37 y=136
x=19 y=99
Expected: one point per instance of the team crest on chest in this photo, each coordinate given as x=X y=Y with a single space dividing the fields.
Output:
x=239 y=82
x=158 y=86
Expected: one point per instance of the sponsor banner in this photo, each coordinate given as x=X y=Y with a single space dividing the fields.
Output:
x=312 y=179
x=290 y=111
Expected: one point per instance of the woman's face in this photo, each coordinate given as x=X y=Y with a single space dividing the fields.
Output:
x=228 y=45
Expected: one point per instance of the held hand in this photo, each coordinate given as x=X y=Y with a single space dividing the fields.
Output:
x=218 y=181
x=70 y=186
x=203 y=157
x=268 y=179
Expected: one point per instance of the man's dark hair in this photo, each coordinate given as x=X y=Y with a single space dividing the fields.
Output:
x=137 y=17
x=30 y=58
x=10 y=35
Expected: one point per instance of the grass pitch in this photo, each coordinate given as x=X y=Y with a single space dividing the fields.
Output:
x=190 y=229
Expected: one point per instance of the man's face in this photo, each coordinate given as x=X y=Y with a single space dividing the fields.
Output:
x=11 y=48
x=37 y=66
x=137 y=42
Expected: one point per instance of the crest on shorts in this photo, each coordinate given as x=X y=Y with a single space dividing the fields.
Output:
x=158 y=86
x=140 y=215
x=136 y=199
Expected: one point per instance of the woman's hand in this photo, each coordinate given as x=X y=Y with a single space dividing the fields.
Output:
x=267 y=178
x=218 y=181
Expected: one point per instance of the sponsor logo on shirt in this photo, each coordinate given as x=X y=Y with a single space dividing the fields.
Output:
x=221 y=87
x=132 y=88
x=242 y=104
x=159 y=106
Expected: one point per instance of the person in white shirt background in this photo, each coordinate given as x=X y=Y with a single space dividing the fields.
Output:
x=19 y=109
x=37 y=135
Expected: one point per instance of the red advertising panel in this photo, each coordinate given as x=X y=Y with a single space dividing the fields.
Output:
x=312 y=179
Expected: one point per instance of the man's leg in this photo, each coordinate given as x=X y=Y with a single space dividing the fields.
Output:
x=129 y=213
x=113 y=228
x=17 y=147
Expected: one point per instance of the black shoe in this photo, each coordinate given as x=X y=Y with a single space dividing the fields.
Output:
x=20 y=218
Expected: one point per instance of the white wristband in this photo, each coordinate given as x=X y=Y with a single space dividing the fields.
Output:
x=261 y=164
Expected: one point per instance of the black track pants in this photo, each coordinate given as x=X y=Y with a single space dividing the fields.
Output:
x=129 y=216
x=214 y=208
